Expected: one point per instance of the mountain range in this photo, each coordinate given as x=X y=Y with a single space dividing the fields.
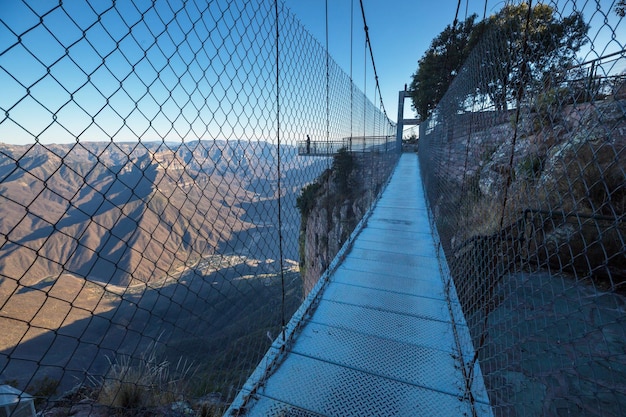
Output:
x=88 y=227
x=120 y=213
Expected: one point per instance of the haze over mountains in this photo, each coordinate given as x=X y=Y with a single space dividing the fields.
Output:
x=119 y=213
x=91 y=230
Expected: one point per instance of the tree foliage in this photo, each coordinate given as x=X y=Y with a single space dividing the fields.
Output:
x=620 y=8
x=527 y=49
x=440 y=64
x=521 y=49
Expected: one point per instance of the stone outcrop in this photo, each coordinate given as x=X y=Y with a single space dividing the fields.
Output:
x=338 y=201
x=565 y=176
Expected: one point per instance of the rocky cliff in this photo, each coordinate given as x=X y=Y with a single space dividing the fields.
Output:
x=559 y=188
x=334 y=204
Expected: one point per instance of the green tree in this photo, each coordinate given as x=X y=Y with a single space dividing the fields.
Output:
x=440 y=64
x=521 y=49
x=527 y=49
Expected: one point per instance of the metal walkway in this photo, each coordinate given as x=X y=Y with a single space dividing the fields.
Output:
x=381 y=337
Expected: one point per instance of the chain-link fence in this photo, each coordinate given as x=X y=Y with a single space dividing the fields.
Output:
x=524 y=166
x=149 y=176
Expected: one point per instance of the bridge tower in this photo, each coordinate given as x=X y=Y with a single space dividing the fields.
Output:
x=401 y=120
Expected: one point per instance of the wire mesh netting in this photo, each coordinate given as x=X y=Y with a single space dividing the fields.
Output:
x=524 y=165
x=149 y=181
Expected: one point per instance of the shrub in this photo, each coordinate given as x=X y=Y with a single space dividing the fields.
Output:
x=548 y=107
x=306 y=201
x=530 y=167
x=343 y=165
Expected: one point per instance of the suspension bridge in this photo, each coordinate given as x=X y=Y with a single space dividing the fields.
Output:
x=383 y=334
x=201 y=213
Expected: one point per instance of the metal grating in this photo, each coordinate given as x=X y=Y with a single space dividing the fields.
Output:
x=364 y=278
x=400 y=361
x=421 y=307
x=332 y=390
x=401 y=247
x=386 y=325
x=416 y=271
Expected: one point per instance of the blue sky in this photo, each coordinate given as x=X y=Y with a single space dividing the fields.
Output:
x=164 y=70
x=63 y=102
x=96 y=71
x=401 y=31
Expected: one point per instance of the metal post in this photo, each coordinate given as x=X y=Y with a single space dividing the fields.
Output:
x=400 y=125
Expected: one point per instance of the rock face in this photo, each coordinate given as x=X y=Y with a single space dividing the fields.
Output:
x=339 y=200
x=545 y=369
x=564 y=176
x=327 y=229
x=531 y=213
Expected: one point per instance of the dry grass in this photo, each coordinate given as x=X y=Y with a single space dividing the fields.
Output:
x=145 y=382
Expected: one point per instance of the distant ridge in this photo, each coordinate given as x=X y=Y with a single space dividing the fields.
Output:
x=117 y=213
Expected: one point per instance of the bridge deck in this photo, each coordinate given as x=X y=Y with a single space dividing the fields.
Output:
x=384 y=337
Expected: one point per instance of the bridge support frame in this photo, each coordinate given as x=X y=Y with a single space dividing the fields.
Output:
x=403 y=94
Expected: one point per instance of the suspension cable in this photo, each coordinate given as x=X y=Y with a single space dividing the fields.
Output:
x=456 y=15
x=518 y=97
x=351 y=75
x=280 y=228
x=369 y=45
x=364 y=93
x=327 y=83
